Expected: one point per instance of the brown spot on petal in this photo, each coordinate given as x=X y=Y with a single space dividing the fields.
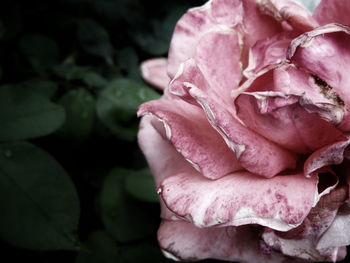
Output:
x=327 y=90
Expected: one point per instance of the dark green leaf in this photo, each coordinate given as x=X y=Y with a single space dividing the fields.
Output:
x=11 y=18
x=41 y=51
x=80 y=114
x=117 y=105
x=38 y=202
x=2 y=30
x=95 y=39
x=128 y=61
x=25 y=114
x=46 y=88
x=70 y=71
x=123 y=218
x=140 y=185
x=101 y=248
x=94 y=79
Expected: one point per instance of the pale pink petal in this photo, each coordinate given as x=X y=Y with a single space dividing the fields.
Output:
x=192 y=136
x=324 y=53
x=267 y=52
x=183 y=241
x=196 y=23
x=303 y=241
x=154 y=72
x=257 y=26
x=330 y=11
x=152 y=134
x=281 y=203
x=289 y=11
x=191 y=86
x=332 y=154
x=217 y=57
x=280 y=118
x=338 y=234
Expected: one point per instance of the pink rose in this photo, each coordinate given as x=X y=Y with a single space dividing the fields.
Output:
x=249 y=145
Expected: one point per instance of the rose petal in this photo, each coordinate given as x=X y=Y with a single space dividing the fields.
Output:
x=324 y=53
x=196 y=23
x=193 y=137
x=281 y=119
x=329 y=11
x=245 y=143
x=154 y=72
x=183 y=241
x=302 y=242
x=267 y=52
x=288 y=79
x=329 y=155
x=152 y=134
x=338 y=234
x=289 y=11
x=217 y=57
x=240 y=198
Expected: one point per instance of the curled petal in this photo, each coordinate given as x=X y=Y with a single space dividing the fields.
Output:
x=282 y=119
x=330 y=11
x=192 y=136
x=191 y=86
x=289 y=11
x=152 y=133
x=267 y=52
x=180 y=240
x=332 y=154
x=154 y=72
x=281 y=202
x=303 y=241
x=325 y=54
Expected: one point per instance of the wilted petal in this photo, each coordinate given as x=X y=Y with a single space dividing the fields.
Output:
x=281 y=119
x=324 y=53
x=330 y=11
x=332 y=154
x=154 y=72
x=289 y=11
x=191 y=85
x=302 y=242
x=281 y=202
x=191 y=134
x=338 y=234
x=184 y=241
x=267 y=52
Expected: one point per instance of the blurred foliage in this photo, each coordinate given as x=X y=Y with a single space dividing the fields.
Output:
x=74 y=186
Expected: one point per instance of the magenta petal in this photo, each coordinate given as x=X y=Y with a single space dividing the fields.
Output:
x=330 y=11
x=196 y=23
x=192 y=136
x=183 y=241
x=281 y=202
x=154 y=72
x=332 y=154
x=281 y=119
x=289 y=11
